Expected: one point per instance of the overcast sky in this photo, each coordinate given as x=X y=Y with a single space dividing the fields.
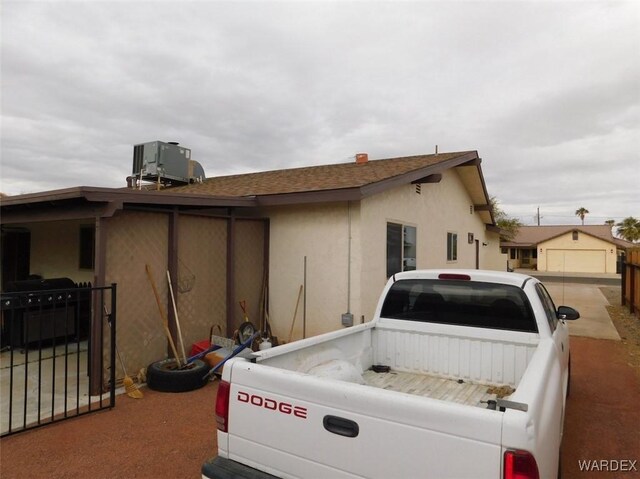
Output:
x=548 y=93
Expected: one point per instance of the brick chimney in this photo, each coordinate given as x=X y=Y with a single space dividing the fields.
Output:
x=362 y=158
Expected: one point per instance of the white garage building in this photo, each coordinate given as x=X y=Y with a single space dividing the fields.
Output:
x=562 y=248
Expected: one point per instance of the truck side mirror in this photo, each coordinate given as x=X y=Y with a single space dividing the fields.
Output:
x=567 y=313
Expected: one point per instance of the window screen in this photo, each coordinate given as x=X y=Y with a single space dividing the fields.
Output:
x=394 y=248
x=401 y=248
x=452 y=246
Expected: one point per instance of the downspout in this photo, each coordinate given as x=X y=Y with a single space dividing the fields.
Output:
x=349 y=259
x=347 y=318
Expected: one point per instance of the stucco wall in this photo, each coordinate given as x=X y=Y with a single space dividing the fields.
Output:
x=439 y=208
x=493 y=258
x=55 y=250
x=321 y=233
x=595 y=251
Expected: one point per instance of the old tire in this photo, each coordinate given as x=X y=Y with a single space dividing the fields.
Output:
x=165 y=376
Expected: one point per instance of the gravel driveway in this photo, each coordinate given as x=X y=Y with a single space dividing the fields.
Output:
x=171 y=435
x=163 y=435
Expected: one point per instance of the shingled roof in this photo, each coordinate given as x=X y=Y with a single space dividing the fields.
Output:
x=351 y=181
x=325 y=177
x=347 y=181
x=530 y=236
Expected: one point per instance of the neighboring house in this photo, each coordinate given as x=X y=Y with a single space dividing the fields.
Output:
x=565 y=248
x=339 y=230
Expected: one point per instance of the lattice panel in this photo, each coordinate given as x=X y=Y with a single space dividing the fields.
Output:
x=202 y=271
x=133 y=240
x=249 y=262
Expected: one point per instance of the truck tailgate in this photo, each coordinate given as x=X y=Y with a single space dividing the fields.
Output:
x=300 y=432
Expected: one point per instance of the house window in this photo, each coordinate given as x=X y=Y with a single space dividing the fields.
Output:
x=87 y=239
x=514 y=253
x=452 y=246
x=504 y=250
x=575 y=236
x=401 y=248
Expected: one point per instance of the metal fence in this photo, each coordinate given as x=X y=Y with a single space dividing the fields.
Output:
x=50 y=341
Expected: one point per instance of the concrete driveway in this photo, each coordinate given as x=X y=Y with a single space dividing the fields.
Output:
x=594 y=319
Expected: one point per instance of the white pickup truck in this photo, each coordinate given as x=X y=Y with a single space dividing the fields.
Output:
x=459 y=374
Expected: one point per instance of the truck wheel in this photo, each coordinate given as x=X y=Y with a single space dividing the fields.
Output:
x=165 y=376
x=569 y=377
x=559 y=476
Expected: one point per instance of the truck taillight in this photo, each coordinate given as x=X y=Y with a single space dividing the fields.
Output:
x=520 y=465
x=222 y=406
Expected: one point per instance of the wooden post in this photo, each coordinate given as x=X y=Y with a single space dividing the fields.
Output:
x=231 y=277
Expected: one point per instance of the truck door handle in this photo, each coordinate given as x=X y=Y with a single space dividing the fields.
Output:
x=341 y=426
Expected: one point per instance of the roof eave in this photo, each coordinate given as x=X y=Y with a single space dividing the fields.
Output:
x=100 y=195
x=306 y=197
x=90 y=202
x=414 y=175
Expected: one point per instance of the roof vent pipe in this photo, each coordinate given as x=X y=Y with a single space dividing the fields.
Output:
x=362 y=158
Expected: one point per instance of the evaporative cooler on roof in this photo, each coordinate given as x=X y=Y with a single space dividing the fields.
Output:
x=165 y=162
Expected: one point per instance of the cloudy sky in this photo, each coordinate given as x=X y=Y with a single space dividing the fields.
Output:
x=547 y=92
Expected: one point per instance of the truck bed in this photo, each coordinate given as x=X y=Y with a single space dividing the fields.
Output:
x=458 y=391
x=318 y=408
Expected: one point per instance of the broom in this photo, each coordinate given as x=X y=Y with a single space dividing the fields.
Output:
x=130 y=388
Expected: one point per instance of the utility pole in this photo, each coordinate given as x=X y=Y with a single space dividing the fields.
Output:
x=538 y=216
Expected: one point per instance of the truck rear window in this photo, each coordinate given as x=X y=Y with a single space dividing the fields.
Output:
x=463 y=303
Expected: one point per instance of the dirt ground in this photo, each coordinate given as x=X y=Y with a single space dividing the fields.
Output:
x=170 y=435
x=627 y=324
x=163 y=435
x=602 y=416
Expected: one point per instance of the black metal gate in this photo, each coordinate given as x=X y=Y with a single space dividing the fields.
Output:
x=51 y=335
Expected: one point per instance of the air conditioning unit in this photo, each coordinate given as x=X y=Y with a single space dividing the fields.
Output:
x=162 y=162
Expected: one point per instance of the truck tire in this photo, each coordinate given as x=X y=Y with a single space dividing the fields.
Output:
x=164 y=376
x=569 y=378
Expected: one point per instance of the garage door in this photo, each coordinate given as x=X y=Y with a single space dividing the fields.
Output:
x=572 y=261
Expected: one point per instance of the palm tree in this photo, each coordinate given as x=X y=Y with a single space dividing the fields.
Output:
x=610 y=223
x=629 y=229
x=582 y=212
